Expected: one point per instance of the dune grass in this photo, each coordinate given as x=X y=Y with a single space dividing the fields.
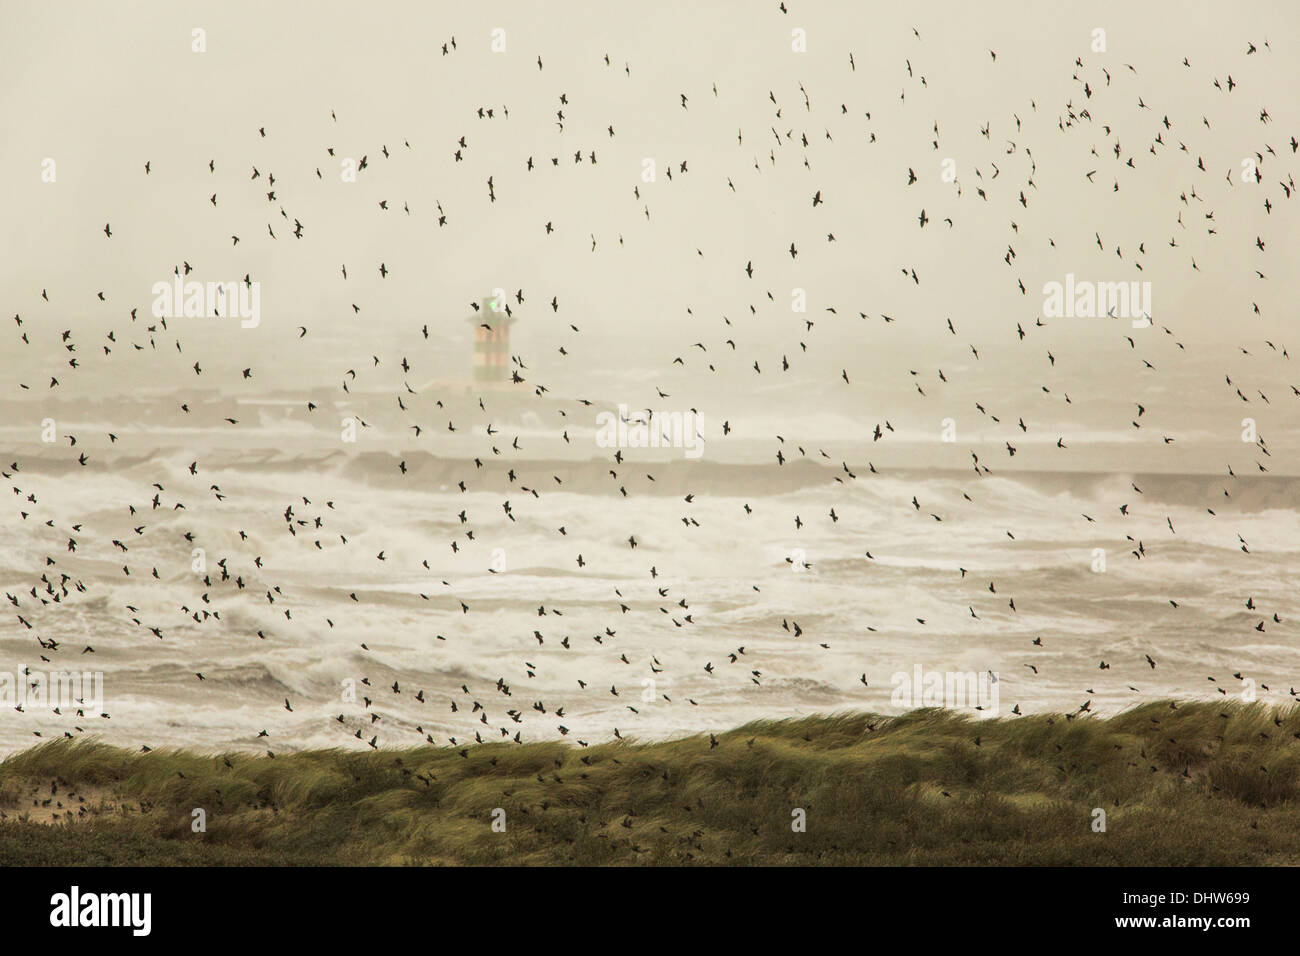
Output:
x=1192 y=784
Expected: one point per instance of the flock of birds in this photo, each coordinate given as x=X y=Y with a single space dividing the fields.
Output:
x=1169 y=146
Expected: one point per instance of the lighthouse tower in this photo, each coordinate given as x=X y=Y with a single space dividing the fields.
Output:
x=491 y=344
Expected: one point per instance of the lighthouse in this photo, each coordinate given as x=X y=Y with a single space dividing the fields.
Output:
x=492 y=344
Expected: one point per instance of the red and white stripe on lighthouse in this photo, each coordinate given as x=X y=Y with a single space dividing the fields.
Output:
x=492 y=343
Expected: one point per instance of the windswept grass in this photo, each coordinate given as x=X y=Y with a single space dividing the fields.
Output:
x=1192 y=784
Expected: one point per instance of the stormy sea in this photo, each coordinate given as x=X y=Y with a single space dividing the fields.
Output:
x=369 y=592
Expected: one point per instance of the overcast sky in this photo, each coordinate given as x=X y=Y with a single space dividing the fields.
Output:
x=104 y=88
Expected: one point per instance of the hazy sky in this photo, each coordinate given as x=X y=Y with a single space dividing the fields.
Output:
x=104 y=88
